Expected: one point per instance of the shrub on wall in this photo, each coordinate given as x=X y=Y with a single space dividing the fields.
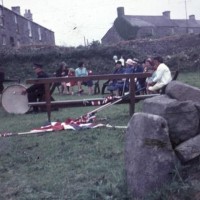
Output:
x=182 y=53
x=128 y=32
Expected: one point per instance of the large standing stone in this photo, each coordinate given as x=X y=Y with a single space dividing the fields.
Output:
x=189 y=149
x=182 y=91
x=149 y=157
x=182 y=116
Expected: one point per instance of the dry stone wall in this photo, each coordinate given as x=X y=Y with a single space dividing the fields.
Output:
x=166 y=134
x=149 y=156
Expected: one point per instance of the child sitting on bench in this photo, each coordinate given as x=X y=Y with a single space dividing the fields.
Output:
x=81 y=71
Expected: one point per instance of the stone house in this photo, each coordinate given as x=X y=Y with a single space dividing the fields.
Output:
x=17 y=30
x=130 y=27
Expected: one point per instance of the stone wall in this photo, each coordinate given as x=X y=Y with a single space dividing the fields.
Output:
x=165 y=135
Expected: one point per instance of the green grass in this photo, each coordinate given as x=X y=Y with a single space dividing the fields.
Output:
x=191 y=78
x=70 y=165
x=67 y=165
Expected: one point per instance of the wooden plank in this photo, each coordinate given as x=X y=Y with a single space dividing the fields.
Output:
x=65 y=102
x=92 y=77
x=82 y=102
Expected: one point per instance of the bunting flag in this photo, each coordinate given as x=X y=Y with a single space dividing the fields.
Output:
x=59 y=126
x=99 y=102
x=86 y=121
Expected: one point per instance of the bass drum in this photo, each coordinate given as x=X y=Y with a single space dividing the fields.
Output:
x=13 y=101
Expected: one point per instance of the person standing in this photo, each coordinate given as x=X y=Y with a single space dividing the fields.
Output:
x=122 y=61
x=162 y=75
x=115 y=58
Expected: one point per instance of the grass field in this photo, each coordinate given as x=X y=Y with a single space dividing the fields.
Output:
x=69 y=165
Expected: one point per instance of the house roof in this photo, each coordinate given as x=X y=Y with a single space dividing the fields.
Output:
x=111 y=36
x=149 y=20
x=188 y=23
x=137 y=22
x=19 y=15
x=132 y=23
x=159 y=21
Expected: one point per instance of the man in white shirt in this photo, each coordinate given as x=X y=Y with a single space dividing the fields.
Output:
x=162 y=75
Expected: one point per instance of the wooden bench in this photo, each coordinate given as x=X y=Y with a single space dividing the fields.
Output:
x=82 y=102
x=69 y=103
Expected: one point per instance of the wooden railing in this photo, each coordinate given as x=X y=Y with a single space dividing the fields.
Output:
x=49 y=81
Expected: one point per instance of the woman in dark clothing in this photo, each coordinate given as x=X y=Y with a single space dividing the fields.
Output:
x=113 y=85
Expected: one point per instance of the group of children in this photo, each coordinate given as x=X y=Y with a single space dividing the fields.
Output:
x=80 y=71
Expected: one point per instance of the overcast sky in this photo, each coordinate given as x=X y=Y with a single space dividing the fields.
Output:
x=74 y=20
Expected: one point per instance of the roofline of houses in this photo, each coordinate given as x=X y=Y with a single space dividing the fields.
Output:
x=18 y=14
x=120 y=13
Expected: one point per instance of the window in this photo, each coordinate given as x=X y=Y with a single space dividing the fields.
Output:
x=15 y=18
x=190 y=31
x=1 y=17
x=39 y=34
x=31 y=41
x=29 y=29
x=18 y=43
x=16 y=23
x=3 y=40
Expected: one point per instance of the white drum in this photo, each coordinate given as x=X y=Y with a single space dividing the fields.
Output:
x=13 y=101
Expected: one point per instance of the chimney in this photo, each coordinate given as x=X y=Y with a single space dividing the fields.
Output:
x=28 y=15
x=192 y=17
x=16 y=9
x=166 y=14
x=120 y=11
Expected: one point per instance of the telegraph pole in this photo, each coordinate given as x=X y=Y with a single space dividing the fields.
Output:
x=186 y=17
x=84 y=41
